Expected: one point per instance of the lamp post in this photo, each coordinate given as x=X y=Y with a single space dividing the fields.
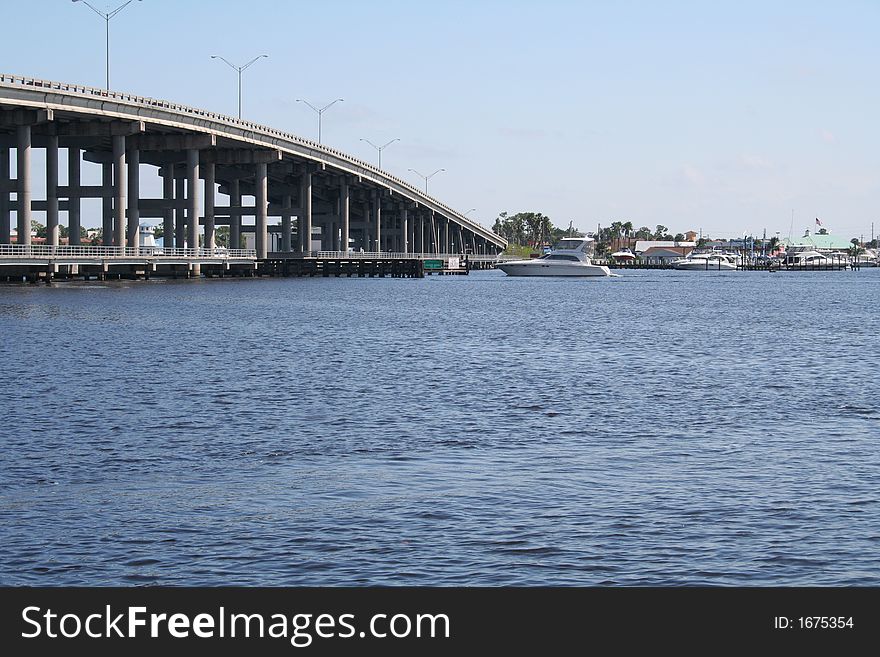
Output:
x=107 y=16
x=469 y=211
x=239 y=69
x=426 y=178
x=380 y=148
x=320 y=111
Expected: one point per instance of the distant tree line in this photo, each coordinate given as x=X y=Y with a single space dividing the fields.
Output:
x=532 y=229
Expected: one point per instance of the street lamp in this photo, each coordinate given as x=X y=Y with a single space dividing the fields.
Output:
x=426 y=178
x=469 y=211
x=380 y=148
x=107 y=16
x=320 y=111
x=239 y=69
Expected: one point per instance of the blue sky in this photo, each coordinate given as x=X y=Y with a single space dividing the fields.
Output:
x=724 y=116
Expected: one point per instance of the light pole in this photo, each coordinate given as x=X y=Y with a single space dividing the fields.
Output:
x=320 y=111
x=239 y=69
x=426 y=178
x=380 y=148
x=469 y=211
x=107 y=16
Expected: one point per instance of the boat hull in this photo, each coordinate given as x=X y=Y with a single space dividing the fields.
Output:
x=535 y=268
x=701 y=266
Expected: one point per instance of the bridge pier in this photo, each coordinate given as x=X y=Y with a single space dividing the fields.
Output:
x=23 y=177
x=53 y=232
x=133 y=162
x=377 y=217
x=286 y=229
x=234 y=219
x=305 y=222
x=261 y=212
x=192 y=205
x=210 y=229
x=344 y=211
x=73 y=203
x=5 y=227
x=120 y=177
x=179 y=219
x=404 y=229
x=168 y=210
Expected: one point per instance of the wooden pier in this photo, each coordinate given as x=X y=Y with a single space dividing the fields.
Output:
x=342 y=267
x=335 y=264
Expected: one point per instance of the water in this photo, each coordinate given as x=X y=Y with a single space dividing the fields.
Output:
x=658 y=428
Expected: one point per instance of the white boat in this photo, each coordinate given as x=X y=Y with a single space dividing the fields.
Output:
x=624 y=255
x=571 y=257
x=712 y=261
x=807 y=257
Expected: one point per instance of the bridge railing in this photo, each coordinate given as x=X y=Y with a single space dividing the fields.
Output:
x=78 y=251
x=391 y=255
x=255 y=127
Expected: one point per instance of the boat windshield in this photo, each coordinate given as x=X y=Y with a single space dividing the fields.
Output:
x=569 y=245
x=560 y=256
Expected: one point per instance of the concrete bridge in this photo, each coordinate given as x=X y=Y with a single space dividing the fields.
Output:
x=315 y=197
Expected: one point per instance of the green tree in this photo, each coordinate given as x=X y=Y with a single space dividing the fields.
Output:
x=679 y=237
x=627 y=230
x=856 y=249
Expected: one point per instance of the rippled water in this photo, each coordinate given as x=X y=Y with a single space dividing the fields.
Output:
x=657 y=428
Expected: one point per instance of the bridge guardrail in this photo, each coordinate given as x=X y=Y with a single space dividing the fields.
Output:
x=74 y=251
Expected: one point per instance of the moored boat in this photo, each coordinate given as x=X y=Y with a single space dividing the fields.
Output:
x=570 y=257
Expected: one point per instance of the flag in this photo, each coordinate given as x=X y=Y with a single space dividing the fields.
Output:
x=818 y=223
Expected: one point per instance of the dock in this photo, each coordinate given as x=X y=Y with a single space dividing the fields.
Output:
x=42 y=263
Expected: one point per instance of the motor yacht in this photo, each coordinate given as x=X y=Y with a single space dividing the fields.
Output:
x=713 y=261
x=570 y=257
x=807 y=257
x=624 y=255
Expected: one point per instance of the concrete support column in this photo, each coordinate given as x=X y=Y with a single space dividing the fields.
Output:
x=306 y=225
x=344 y=211
x=192 y=198
x=234 y=219
x=404 y=229
x=285 y=224
x=434 y=235
x=5 y=227
x=328 y=236
x=210 y=230
x=262 y=211
x=53 y=233
x=365 y=208
x=23 y=152
x=168 y=211
x=179 y=218
x=445 y=241
x=74 y=222
x=120 y=181
x=377 y=215
x=107 y=204
x=133 y=159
